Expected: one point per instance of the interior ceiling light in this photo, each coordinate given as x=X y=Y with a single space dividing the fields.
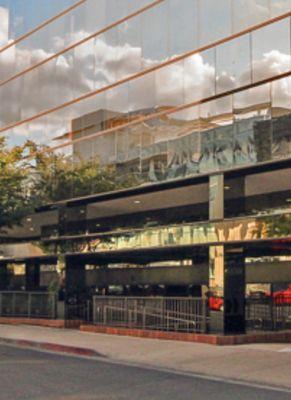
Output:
x=137 y=201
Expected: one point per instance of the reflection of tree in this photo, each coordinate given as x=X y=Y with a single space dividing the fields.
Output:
x=58 y=177
x=279 y=226
x=14 y=195
x=44 y=177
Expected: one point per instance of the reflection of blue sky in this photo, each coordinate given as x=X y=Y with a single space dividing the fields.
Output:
x=26 y=14
x=171 y=28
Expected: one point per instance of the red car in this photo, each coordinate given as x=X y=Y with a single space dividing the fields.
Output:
x=215 y=303
x=283 y=296
x=280 y=297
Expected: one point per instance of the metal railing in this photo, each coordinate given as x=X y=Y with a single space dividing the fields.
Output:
x=268 y=313
x=28 y=304
x=155 y=313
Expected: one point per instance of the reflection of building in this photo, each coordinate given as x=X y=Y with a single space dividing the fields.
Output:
x=209 y=209
x=165 y=148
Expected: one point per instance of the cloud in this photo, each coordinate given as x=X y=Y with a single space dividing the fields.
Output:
x=280 y=6
x=4 y=26
x=98 y=63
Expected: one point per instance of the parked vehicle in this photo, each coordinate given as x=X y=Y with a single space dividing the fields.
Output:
x=215 y=303
x=283 y=296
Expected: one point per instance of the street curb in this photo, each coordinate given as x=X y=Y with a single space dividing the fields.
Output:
x=54 y=347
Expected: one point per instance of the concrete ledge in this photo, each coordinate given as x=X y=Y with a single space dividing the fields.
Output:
x=185 y=337
x=54 y=347
x=218 y=340
x=48 y=323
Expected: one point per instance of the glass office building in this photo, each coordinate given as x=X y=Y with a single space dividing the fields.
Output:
x=167 y=128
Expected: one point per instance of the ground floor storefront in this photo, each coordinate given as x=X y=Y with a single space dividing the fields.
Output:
x=210 y=253
x=219 y=289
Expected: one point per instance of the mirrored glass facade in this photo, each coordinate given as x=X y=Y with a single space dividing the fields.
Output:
x=148 y=91
x=160 y=125
x=128 y=86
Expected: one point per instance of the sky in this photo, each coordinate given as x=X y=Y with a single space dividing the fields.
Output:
x=85 y=69
x=26 y=14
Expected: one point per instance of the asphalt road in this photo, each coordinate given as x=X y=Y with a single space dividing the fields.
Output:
x=33 y=375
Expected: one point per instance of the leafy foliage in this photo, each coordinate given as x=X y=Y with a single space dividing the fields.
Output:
x=45 y=177
x=14 y=172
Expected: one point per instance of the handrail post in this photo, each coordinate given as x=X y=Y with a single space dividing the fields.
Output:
x=54 y=306
x=94 y=310
x=88 y=311
x=105 y=315
x=29 y=305
x=204 y=316
x=168 y=320
x=13 y=304
x=129 y=319
x=144 y=318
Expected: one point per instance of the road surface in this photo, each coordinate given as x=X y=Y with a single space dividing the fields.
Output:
x=34 y=375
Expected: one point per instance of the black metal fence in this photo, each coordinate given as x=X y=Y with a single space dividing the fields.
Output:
x=80 y=312
x=270 y=313
x=158 y=313
x=28 y=304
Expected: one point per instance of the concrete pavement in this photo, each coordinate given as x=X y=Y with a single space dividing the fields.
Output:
x=266 y=364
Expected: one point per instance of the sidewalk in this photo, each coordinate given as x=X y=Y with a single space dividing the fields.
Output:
x=268 y=364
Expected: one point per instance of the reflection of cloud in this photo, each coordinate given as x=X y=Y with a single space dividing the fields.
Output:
x=280 y=6
x=4 y=26
x=97 y=63
x=272 y=63
x=259 y=8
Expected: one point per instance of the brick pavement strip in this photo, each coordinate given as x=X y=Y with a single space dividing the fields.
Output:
x=268 y=364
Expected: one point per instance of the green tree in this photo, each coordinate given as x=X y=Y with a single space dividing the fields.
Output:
x=31 y=176
x=14 y=176
x=59 y=177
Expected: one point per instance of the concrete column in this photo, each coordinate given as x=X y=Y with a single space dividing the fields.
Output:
x=226 y=273
x=75 y=279
x=227 y=290
x=216 y=197
x=234 y=291
x=4 y=276
x=32 y=275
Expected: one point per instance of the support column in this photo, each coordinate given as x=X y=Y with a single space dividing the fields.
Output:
x=75 y=280
x=234 y=291
x=32 y=275
x=75 y=289
x=216 y=197
x=227 y=290
x=226 y=273
x=4 y=276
